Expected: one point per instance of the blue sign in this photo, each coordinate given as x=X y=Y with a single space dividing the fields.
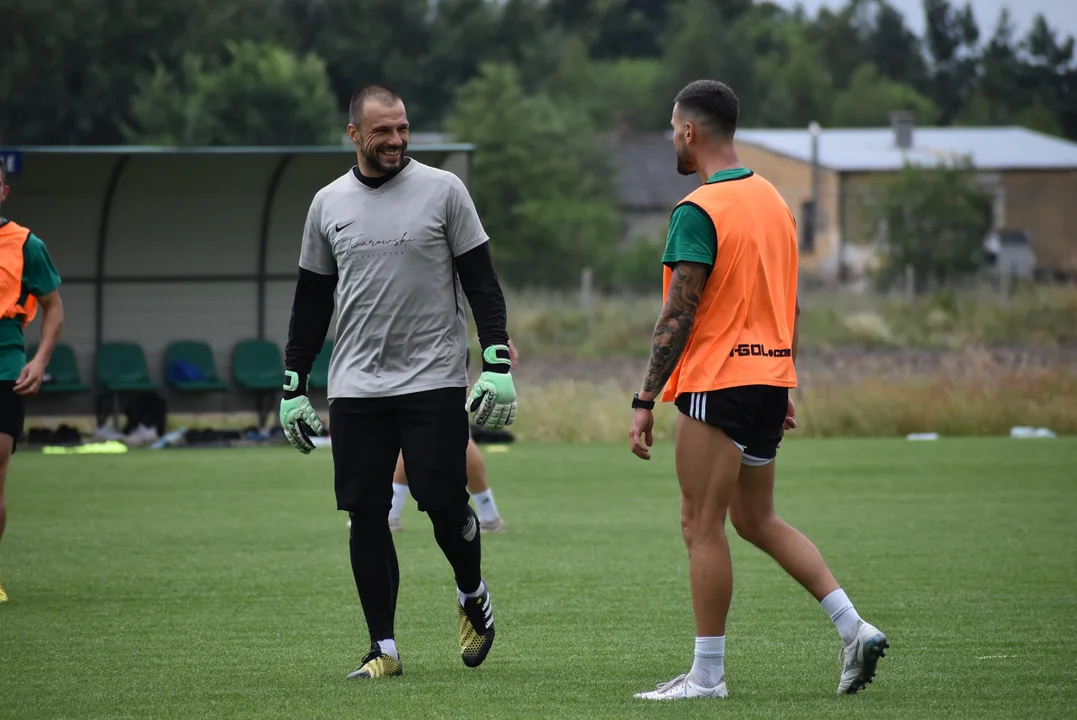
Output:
x=12 y=160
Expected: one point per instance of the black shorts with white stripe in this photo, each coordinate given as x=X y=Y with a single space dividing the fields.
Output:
x=751 y=415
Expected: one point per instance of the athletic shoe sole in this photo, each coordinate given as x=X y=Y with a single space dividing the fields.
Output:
x=874 y=649
x=484 y=650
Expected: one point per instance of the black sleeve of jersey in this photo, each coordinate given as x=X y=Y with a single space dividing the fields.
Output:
x=312 y=309
x=483 y=291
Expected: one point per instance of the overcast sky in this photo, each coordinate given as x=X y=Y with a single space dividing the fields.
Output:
x=1060 y=14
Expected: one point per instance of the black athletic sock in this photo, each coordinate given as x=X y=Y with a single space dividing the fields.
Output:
x=376 y=572
x=457 y=533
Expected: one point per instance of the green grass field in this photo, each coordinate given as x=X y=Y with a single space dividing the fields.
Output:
x=180 y=584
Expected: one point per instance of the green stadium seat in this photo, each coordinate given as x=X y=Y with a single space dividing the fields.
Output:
x=319 y=374
x=64 y=370
x=121 y=367
x=257 y=365
x=200 y=355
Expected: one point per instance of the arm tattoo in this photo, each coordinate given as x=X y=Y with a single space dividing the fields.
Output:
x=675 y=323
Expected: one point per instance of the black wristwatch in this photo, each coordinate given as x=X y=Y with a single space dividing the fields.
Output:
x=645 y=404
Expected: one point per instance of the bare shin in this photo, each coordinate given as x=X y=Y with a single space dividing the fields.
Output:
x=476 y=470
x=752 y=513
x=707 y=463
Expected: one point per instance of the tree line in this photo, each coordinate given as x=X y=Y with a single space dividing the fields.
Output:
x=281 y=71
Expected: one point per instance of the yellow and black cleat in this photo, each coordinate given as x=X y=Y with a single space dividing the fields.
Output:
x=377 y=664
x=3 y=595
x=476 y=628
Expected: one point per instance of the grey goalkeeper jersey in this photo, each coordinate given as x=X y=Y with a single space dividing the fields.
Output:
x=401 y=323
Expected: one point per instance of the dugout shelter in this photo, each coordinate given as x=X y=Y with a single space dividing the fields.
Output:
x=162 y=245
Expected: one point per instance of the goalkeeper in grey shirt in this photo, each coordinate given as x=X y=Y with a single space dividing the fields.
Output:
x=401 y=245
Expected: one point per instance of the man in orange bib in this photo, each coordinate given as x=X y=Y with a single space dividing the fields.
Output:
x=724 y=350
x=27 y=279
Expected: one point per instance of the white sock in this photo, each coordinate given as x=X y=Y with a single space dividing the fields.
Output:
x=464 y=596
x=400 y=494
x=840 y=609
x=709 y=666
x=485 y=505
x=389 y=647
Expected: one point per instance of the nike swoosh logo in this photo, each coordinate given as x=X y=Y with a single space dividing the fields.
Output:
x=341 y=227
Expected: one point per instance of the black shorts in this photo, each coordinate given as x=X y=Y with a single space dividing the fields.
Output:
x=12 y=411
x=751 y=415
x=430 y=428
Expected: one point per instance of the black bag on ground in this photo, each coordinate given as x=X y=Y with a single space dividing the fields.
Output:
x=148 y=409
x=63 y=435
x=482 y=437
x=66 y=435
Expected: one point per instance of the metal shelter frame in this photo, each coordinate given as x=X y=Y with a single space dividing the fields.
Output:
x=123 y=156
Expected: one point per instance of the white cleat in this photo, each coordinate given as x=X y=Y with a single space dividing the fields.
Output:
x=497 y=525
x=395 y=524
x=860 y=658
x=683 y=687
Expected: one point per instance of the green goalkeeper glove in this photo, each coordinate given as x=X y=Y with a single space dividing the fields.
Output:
x=492 y=402
x=297 y=416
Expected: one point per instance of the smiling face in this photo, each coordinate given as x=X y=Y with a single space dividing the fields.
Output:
x=381 y=137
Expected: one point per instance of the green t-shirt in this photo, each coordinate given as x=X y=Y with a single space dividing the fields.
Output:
x=39 y=278
x=692 y=237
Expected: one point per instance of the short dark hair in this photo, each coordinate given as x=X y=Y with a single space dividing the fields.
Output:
x=372 y=91
x=712 y=103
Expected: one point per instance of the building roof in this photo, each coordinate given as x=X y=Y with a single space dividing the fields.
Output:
x=221 y=149
x=647 y=177
x=873 y=149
